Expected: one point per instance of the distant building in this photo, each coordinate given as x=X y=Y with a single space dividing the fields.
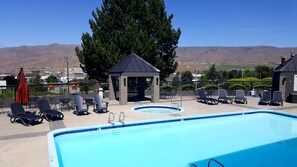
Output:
x=2 y=76
x=196 y=77
x=285 y=78
x=74 y=73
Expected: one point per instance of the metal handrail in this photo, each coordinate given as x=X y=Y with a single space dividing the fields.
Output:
x=181 y=100
x=211 y=159
x=110 y=117
x=122 y=117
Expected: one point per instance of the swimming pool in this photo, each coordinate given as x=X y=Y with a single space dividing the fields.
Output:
x=157 y=109
x=251 y=138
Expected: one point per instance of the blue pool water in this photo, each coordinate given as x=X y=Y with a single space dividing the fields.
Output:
x=239 y=139
x=157 y=109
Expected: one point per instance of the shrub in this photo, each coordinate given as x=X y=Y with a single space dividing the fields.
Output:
x=187 y=87
x=7 y=94
x=210 y=87
x=166 y=87
x=243 y=82
x=237 y=86
x=263 y=86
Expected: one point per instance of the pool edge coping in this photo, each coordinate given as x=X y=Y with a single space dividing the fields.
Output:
x=53 y=158
x=165 y=106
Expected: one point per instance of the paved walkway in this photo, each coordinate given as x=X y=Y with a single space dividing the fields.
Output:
x=27 y=146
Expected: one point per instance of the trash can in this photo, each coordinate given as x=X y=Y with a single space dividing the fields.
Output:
x=292 y=98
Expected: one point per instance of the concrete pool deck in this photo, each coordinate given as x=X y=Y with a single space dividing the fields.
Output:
x=27 y=146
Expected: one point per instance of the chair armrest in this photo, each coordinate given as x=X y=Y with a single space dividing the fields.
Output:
x=106 y=103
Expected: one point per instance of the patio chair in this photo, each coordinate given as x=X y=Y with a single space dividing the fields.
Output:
x=266 y=98
x=78 y=106
x=204 y=99
x=18 y=113
x=277 y=98
x=240 y=97
x=223 y=98
x=65 y=103
x=47 y=112
x=32 y=101
x=98 y=105
x=54 y=100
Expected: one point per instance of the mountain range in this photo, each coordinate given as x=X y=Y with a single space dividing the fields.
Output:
x=189 y=58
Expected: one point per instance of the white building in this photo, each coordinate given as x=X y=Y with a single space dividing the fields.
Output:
x=74 y=73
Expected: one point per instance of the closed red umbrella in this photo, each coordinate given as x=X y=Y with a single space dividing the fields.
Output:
x=22 y=95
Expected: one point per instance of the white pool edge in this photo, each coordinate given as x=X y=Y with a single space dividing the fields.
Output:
x=53 y=157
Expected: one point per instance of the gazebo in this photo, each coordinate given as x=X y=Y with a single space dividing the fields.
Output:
x=285 y=79
x=133 y=67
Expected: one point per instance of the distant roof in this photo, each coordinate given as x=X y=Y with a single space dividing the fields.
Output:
x=289 y=65
x=133 y=64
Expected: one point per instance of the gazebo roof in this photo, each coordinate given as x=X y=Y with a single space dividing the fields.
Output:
x=133 y=64
x=289 y=65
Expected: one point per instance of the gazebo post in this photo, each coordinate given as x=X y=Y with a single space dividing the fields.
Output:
x=123 y=90
x=111 y=88
x=155 y=89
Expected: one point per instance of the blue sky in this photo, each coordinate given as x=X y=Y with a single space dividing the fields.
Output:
x=202 y=22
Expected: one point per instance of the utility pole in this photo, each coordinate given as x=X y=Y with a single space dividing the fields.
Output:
x=67 y=66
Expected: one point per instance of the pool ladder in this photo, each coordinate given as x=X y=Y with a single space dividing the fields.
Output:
x=121 y=117
x=180 y=102
x=111 y=117
x=209 y=163
x=213 y=160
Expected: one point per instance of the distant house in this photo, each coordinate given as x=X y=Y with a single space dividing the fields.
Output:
x=285 y=78
x=2 y=76
x=75 y=73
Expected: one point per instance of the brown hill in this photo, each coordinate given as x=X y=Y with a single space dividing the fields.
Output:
x=189 y=58
x=53 y=55
x=228 y=58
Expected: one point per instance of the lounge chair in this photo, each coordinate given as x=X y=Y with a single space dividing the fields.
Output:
x=266 y=98
x=98 y=105
x=18 y=113
x=240 y=97
x=204 y=99
x=47 y=112
x=78 y=106
x=223 y=98
x=277 y=98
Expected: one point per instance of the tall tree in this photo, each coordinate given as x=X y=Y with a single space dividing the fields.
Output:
x=51 y=79
x=125 y=26
x=212 y=74
x=187 y=76
x=263 y=71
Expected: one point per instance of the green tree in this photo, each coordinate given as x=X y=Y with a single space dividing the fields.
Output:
x=186 y=76
x=212 y=74
x=177 y=77
x=263 y=71
x=233 y=74
x=36 y=80
x=249 y=73
x=51 y=79
x=122 y=27
x=224 y=75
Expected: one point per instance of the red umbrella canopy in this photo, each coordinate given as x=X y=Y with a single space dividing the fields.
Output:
x=22 y=95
